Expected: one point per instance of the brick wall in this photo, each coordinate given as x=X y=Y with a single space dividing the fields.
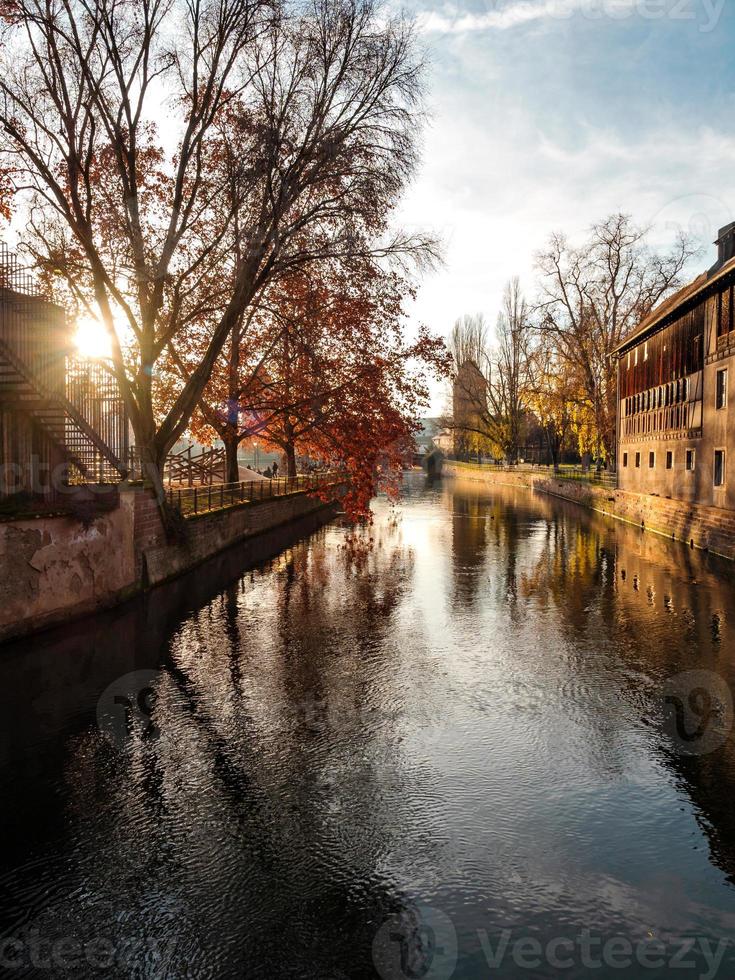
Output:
x=709 y=528
x=204 y=535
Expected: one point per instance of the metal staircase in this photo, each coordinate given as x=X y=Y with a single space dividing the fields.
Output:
x=61 y=420
x=74 y=404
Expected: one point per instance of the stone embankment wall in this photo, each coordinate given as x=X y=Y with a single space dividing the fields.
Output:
x=708 y=528
x=56 y=568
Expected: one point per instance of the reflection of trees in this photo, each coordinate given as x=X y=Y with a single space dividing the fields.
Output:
x=469 y=527
x=622 y=611
x=488 y=530
x=643 y=609
x=279 y=711
x=261 y=829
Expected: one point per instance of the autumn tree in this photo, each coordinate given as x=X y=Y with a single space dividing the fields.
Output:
x=327 y=374
x=112 y=114
x=554 y=400
x=589 y=298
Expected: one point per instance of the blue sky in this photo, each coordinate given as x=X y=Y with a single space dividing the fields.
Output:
x=550 y=114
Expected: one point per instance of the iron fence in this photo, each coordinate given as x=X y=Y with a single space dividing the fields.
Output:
x=217 y=496
x=602 y=478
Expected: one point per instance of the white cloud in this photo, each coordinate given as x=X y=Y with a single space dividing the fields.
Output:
x=545 y=130
x=504 y=16
x=495 y=202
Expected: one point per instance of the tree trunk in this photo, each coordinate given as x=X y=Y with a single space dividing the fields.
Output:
x=289 y=456
x=152 y=468
x=232 y=467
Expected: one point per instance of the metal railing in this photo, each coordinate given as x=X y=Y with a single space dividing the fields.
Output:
x=602 y=478
x=218 y=496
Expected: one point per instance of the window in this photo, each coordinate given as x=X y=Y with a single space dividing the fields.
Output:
x=638 y=460
x=651 y=460
x=721 y=389
x=719 y=467
x=684 y=386
x=645 y=351
x=625 y=459
x=724 y=312
x=669 y=460
x=690 y=460
x=636 y=357
x=629 y=360
x=697 y=352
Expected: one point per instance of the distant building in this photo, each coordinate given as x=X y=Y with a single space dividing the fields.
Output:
x=675 y=383
x=469 y=402
x=424 y=439
x=444 y=440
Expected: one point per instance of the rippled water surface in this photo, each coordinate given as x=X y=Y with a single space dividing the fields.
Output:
x=391 y=758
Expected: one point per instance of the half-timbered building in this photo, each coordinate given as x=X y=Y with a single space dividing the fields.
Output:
x=676 y=371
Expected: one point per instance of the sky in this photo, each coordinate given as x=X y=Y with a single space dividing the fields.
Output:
x=548 y=115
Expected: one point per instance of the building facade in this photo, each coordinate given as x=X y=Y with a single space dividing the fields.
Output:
x=676 y=392
x=469 y=406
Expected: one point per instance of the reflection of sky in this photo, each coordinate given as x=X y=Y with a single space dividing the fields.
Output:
x=458 y=716
x=551 y=114
x=540 y=668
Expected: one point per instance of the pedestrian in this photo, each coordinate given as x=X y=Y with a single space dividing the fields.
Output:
x=275 y=469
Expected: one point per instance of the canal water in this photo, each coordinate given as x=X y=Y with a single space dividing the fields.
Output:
x=488 y=736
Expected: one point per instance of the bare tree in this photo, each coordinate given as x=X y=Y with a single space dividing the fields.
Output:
x=511 y=381
x=492 y=383
x=591 y=296
x=119 y=120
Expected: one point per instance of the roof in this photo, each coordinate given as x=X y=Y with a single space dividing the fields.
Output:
x=672 y=303
x=429 y=428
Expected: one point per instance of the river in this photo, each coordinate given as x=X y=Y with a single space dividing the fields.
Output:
x=488 y=736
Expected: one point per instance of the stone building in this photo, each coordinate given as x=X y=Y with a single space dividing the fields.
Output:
x=676 y=374
x=469 y=406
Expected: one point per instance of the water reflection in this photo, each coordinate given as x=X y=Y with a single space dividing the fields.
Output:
x=462 y=712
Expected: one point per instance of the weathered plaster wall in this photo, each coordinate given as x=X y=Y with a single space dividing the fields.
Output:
x=54 y=568
x=709 y=528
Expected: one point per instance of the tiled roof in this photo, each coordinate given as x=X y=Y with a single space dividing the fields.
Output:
x=673 y=302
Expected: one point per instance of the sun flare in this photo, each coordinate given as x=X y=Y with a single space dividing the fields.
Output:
x=90 y=338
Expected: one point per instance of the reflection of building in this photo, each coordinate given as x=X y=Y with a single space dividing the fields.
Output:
x=58 y=418
x=675 y=374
